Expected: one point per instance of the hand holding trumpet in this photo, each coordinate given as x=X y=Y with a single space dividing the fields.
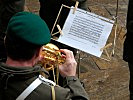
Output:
x=51 y=57
x=69 y=67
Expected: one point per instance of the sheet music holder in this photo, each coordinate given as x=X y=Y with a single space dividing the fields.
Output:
x=87 y=32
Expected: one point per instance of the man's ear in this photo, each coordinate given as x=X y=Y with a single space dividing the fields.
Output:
x=38 y=52
x=41 y=48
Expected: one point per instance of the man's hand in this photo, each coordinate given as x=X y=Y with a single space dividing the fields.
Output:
x=69 y=67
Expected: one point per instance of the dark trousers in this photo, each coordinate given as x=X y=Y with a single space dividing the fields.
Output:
x=7 y=9
x=131 y=80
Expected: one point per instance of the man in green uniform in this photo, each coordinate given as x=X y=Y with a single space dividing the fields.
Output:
x=48 y=12
x=20 y=76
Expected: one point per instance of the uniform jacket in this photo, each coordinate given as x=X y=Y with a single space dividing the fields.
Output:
x=128 y=44
x=14 y=80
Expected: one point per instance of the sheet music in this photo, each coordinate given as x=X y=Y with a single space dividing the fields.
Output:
x=86 y=31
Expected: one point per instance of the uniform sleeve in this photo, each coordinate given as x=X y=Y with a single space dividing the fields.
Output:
x=73 y=90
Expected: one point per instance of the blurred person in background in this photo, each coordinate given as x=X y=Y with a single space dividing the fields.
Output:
x=7 y=9
x=128 y=45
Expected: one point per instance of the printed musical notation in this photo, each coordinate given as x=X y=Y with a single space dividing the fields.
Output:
x=86 y=31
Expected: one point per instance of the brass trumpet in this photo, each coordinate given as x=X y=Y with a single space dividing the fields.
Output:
x=51 y=56
x=51 y=59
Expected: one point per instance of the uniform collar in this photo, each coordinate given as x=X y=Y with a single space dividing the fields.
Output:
x=21 y=72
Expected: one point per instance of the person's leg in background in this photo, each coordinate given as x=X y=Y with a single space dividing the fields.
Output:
x=7 y=9
x=131 y=80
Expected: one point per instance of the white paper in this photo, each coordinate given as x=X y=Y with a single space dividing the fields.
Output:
x=86 y=31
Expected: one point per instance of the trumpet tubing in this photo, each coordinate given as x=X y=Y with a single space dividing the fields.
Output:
x=52 y=56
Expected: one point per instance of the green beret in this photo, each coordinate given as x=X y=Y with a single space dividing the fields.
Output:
x=29 y=27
